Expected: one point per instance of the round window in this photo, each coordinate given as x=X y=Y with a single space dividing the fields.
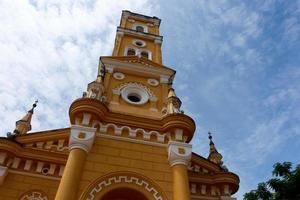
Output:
x=134 y=95
x=139 y=43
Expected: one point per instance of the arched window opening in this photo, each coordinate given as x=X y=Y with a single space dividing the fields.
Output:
x=139 y=29
x=130 y=52
x=145 y=54
x=123 y=194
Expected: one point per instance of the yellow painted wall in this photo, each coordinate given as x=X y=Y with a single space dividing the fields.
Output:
x=160 y=91
x=109 y=155
x=15 y=185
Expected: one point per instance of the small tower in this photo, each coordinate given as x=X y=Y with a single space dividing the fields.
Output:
x=24 y=125
x=214 y=156
x=173 y=102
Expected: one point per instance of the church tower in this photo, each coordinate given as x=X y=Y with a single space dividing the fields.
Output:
x=128 y=137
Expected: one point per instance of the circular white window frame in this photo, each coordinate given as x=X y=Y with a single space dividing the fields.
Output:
x=119 y=76
x=141 y=41
x=152 y=82
x=135 y=91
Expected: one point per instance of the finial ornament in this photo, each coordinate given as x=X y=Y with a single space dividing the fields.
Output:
x=95 y=89
x=24 y=124
x=173 y=102
x=214 y=156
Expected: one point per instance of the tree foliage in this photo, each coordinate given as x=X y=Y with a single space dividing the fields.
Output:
x=284 y=186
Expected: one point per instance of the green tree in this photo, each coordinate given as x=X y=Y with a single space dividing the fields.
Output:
x=285 y=185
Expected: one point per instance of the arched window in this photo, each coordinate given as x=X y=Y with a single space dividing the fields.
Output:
x=139 y=29
x=145 y=54
x=130 y=52
x=124 y=194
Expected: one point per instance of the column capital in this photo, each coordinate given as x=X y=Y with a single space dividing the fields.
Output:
x=179 y=153
x=81 y=137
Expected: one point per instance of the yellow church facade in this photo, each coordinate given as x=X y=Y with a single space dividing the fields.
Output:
x=127 y=140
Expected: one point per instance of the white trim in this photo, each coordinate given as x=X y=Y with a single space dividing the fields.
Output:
x=141 y=41
x=33 y=175
x=118 y=75
x=102 y=135
x=153 y=82
x=135 y=90
x=179 y=153
x=131 y=179
x=3 y=174
x=127 y=48
x=149 y=71
x=142 y=25
x=77 y=142
x=145 y=35
x=138 y=51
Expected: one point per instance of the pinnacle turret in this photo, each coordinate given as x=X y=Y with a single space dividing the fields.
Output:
x=173 y=102
x=24 y=124
x=214 y=156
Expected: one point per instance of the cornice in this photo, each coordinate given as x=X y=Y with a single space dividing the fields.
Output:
x=217 y=178
x=102 y=114
x=55 y=134
x=17 y=150
x=133 y=64
x=201 y=161
x=148 y=36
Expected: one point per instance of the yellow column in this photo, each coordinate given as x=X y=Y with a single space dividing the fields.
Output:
x=179 y=158
x=181 y=190
x=72 y=174
x=81 y=141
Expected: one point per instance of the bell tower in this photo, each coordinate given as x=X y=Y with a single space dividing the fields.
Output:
x=133 y=80
x=138 y=35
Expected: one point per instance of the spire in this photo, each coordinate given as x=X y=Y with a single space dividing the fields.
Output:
x=24 y=125
x=173 y=102
x=214 y=156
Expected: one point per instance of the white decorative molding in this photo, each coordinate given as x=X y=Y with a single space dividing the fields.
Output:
x=124 y=179
x=86 y=119
x=157 y=41
x=193 y=188
x=203 y=189
x=34 y=195
x=132 y=132
x=142 y=25
x=131 y=140
x=119 y=75
x=137 y=91
x=164 y=79
x=153 y=82
x=52 y=145
x=121 y=34
x=135 y=42
x=179 y=153
x=81 y=137
x=135 y=84
x=3 y=174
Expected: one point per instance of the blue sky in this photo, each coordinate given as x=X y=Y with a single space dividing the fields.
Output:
x=237 y=62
